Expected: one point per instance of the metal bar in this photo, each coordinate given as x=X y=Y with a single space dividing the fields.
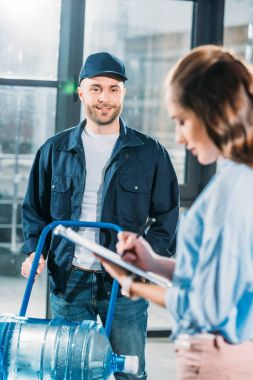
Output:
x=70 y=61
x=28 y=82
x=38 y=252
x=159 y=333
x=207 y=28
x=111 y=307
x=208 y=20
x=9 y=225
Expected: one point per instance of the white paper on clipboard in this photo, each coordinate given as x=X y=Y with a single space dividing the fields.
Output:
x=109 y=255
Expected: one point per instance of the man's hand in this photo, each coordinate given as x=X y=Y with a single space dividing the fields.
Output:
x=27 y=264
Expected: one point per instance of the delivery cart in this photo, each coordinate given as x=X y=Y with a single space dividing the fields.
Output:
x=58 y=349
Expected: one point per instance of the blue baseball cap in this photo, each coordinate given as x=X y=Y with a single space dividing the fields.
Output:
x=102 y=63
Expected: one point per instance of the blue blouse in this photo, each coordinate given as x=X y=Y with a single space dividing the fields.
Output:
x=213 y=279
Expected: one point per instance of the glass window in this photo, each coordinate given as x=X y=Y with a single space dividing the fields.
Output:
x=238 y=32
x=27 y=120
x=28 y=117
x=29 y=38
x=148 y=49
x=149 y=37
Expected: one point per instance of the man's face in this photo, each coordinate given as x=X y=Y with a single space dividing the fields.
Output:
x=102 y=97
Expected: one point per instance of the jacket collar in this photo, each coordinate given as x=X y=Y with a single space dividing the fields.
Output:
x=128 y=136
x=73 y=141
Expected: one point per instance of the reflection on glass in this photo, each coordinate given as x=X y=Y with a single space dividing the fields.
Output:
x=149 y=37
x=27 y=119
x=238 y=33
x=249 y=46
x=29 y=38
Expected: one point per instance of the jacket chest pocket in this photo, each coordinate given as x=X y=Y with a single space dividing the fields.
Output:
x=60 y=205
x=137 y=184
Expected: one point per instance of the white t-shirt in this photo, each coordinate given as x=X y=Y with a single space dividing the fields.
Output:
x=98 y=149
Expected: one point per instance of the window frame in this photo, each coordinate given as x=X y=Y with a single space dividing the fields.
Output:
x=207 y=28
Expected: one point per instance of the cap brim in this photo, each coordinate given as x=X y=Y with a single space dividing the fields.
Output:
x=123 y=77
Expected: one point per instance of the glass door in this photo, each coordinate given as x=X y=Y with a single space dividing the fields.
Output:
x=149 y=37
x=28 y=89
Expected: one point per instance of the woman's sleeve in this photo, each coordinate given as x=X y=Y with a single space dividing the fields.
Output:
x=208 y=279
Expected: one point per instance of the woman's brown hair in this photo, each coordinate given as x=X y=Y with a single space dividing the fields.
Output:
x=218 y=87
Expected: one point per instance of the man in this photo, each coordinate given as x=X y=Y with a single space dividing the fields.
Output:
x=100 y=170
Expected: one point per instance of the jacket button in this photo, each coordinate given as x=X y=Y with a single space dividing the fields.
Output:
x=53 y=186
x=136 y=187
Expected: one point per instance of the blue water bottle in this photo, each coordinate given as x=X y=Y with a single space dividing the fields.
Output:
x=57 y=350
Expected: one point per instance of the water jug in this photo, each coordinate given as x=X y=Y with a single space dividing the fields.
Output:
x=57 y=350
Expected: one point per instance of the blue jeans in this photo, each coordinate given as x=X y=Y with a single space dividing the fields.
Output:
x=85 y=298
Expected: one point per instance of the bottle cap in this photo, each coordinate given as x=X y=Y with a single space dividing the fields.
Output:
x=131 y=364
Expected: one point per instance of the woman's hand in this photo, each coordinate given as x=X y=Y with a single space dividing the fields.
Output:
x=150 y=292
x=114 y=271
x=136 y=250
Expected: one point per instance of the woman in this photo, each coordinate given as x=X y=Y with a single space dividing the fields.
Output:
x=210 y=98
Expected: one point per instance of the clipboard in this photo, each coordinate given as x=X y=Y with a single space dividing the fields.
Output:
x=110 y=256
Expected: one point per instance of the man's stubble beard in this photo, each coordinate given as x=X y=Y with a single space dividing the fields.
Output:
x=91 y=113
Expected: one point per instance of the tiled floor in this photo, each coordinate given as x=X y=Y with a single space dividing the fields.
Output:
x=160 y=355
x=160 y=359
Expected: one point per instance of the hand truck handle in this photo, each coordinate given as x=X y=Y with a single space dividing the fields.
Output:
x=36 y=259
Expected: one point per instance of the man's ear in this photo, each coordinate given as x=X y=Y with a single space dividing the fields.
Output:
x=80 y=93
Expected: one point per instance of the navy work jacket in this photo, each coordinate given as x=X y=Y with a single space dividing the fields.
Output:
x=139 y=182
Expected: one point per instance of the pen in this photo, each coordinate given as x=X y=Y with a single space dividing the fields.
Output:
x=146 y=225
x=141 y=231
